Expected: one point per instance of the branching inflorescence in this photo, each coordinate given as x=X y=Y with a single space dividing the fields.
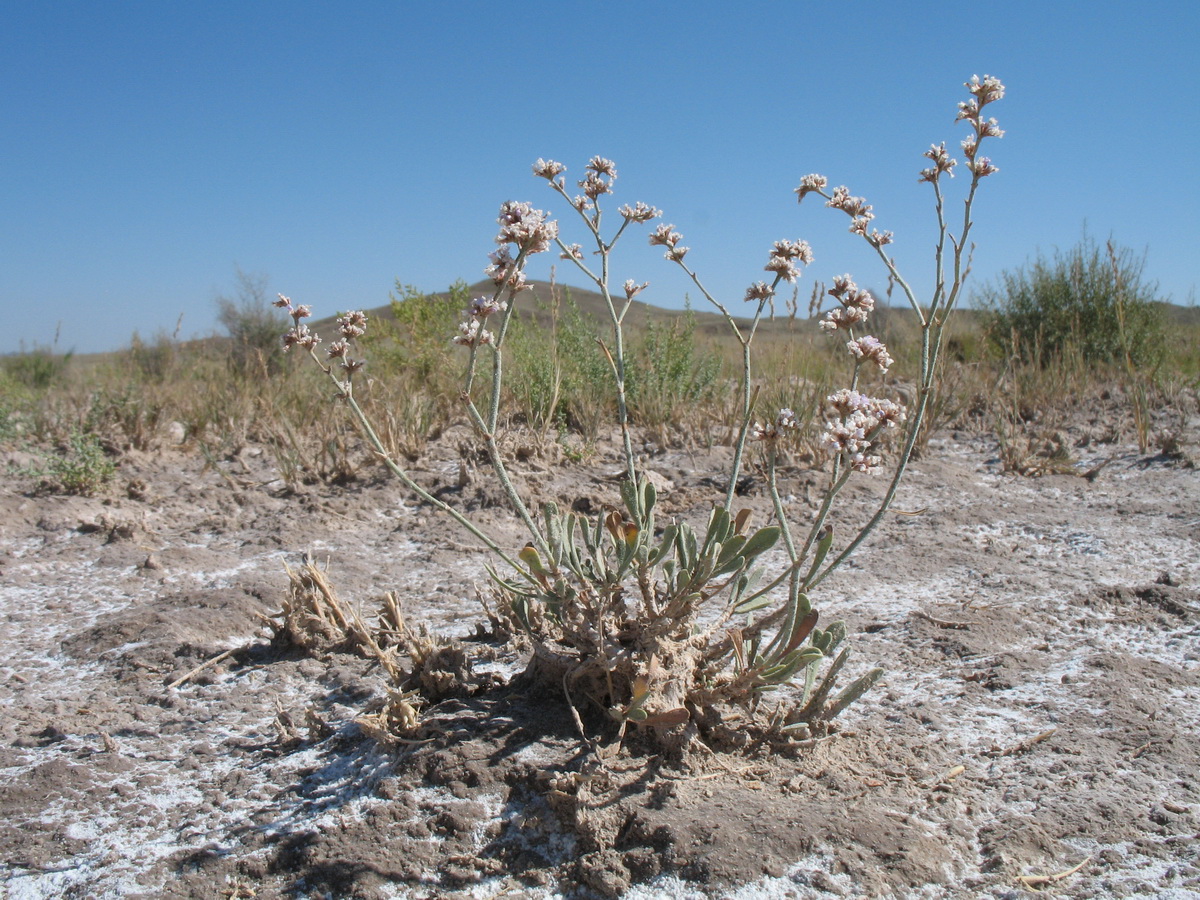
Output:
x=681 y=631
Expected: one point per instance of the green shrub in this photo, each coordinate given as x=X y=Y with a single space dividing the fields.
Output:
x=253 y=326
x=38 y=368
x=417 y=343
x=669 y=372
x=1089 y=301
x=81 y=467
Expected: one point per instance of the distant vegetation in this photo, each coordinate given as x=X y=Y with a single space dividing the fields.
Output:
x=1051 y=332
x=1089 y=301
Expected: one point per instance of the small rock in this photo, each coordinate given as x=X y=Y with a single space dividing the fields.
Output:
x=662 y=483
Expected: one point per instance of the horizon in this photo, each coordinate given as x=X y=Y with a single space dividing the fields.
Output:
x=154 y=150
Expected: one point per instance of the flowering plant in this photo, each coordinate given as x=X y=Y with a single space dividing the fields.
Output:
x=680 y=631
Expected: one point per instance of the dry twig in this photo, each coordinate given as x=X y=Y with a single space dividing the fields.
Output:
x=220 y=657
x=1024 y=745
x=1040 y=881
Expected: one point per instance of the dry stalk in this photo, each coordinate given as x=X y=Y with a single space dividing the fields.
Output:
x=1040 y=881
x=315 y=618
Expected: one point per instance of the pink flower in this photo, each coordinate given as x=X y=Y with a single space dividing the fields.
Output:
x=595 y=185
x=844 y=318
x=942 y=163
x=526 y=227
x=760 y=290
x=846 y=292
x=632 y=288
x=471 y=333
x=482 y=307
x=548 y=169
x=986 y=91
x=769 y=431
x=846 y=402
x=793 y=250
x=783 y=267
x=861 y=462
x=810 y=184
x=353 y=324
x=602 y=166
x=665 y=235
x=870 y=348
x=844 y=437
x=855 y=207
x=982 y=167
x=639 y=212
x=300 y=336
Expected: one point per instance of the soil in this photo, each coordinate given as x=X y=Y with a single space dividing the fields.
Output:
x=1041 y=638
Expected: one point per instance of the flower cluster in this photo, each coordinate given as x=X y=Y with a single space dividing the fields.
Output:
x=351 y=326
x=758 y=291
x=983 y=92
x=855 y=307
x=548 y=169
x=942 y=163
x=783 y=259
x=859 y=426
x=859 y=211
x=298 y=335
x=526 y=227
x=854 y=207
x=770 y=431
x=598 y=180
x=504 y=271
x=472 y=332
x=667 y=236
x=811 y=184
x=639 y=212
x=870 y=348
x=482 y=307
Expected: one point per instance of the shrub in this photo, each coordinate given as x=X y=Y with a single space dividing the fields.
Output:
x=79 y=467
x=252 y=325
x=681 y=631
x=38 y=368
x=668 y=373
x=1089 y=302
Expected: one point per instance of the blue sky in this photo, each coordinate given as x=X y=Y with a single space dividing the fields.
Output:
x=148 y=149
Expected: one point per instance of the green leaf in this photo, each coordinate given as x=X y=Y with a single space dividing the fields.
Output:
x=761 y=541
x=730 y=552
x=649 y=497
x=668 y=539
x=718 y=528
x=629 y=494
x=752 y=605
x=851 y=693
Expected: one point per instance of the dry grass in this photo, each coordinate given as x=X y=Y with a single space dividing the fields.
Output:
x=152 y=396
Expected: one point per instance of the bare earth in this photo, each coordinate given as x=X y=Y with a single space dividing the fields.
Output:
x=1040 y=713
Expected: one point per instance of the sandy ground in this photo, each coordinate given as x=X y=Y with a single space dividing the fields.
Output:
x=1040 y=712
